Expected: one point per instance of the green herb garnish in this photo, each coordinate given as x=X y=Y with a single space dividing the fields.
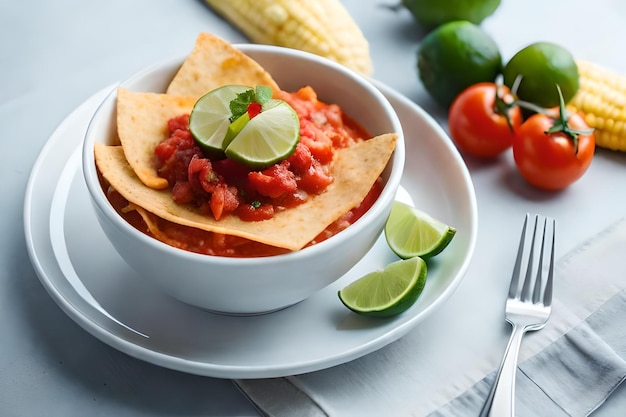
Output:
x=239 y=105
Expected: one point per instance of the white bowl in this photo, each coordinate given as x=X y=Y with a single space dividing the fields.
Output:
x=253 y=285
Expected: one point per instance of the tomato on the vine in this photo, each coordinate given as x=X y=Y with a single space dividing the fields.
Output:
x=553 y=152
x=482 y=119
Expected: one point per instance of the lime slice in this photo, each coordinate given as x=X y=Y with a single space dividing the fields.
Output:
x=411 y=232
x=387 y=292
x=209 y=119
x=267 y=138
x=235 y=127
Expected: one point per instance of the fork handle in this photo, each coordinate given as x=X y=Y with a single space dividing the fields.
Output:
x=501 y=400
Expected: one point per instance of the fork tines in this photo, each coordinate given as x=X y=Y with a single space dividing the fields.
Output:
x=535 y=259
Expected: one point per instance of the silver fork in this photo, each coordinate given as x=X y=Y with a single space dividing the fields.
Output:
x=528 y=308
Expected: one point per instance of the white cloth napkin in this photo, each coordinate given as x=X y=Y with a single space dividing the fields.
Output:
x=567 y=369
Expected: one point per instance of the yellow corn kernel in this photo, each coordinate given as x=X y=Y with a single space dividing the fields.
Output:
x=322 y=27
x=602 y=99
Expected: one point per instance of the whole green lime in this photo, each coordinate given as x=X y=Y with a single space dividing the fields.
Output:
x=432 y=13
x=542 y=66
x=455 y=56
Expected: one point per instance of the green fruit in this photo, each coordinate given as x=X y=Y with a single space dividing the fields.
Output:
x=542 y=66
x=411 y=232
x=387 y=292
x=269 y=137
x=455 y=56
x=209 y=119
x=432 y=13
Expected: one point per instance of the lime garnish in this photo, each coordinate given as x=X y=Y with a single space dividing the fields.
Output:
x=245 y=124
x=267 y=138
x=411 y=232
x=386 y=292
x=235 y=127
x=210 y=118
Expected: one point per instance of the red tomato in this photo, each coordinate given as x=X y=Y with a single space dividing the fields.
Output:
x=550 y=160
x=478 y=122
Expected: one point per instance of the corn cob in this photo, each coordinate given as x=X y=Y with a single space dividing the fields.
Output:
x=602 y=99
x=322 y=27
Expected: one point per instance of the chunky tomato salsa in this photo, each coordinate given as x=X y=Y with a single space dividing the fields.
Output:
x=223 y=187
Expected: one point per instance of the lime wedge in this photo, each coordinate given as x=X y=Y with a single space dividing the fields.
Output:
x=411 y=232
x=209 y=119
x=235 y=127
x=267 y=138
x=387 y=292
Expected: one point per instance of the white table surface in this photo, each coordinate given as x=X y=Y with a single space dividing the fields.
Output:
x=54 y=55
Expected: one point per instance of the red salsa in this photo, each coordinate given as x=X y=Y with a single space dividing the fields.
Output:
x=210 y=243
x=221 y=187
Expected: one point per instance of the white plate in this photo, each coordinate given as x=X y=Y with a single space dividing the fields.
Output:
x=93 y=285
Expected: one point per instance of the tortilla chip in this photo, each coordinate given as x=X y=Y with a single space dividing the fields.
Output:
x=355 y=169
x=142 y=125
x=214 y=63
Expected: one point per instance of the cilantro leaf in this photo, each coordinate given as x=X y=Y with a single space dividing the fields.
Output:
x=239 y=105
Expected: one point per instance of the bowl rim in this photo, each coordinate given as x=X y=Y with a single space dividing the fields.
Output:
x=377 y=209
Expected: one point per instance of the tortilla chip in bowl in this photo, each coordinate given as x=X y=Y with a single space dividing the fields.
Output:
x=296 y=262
